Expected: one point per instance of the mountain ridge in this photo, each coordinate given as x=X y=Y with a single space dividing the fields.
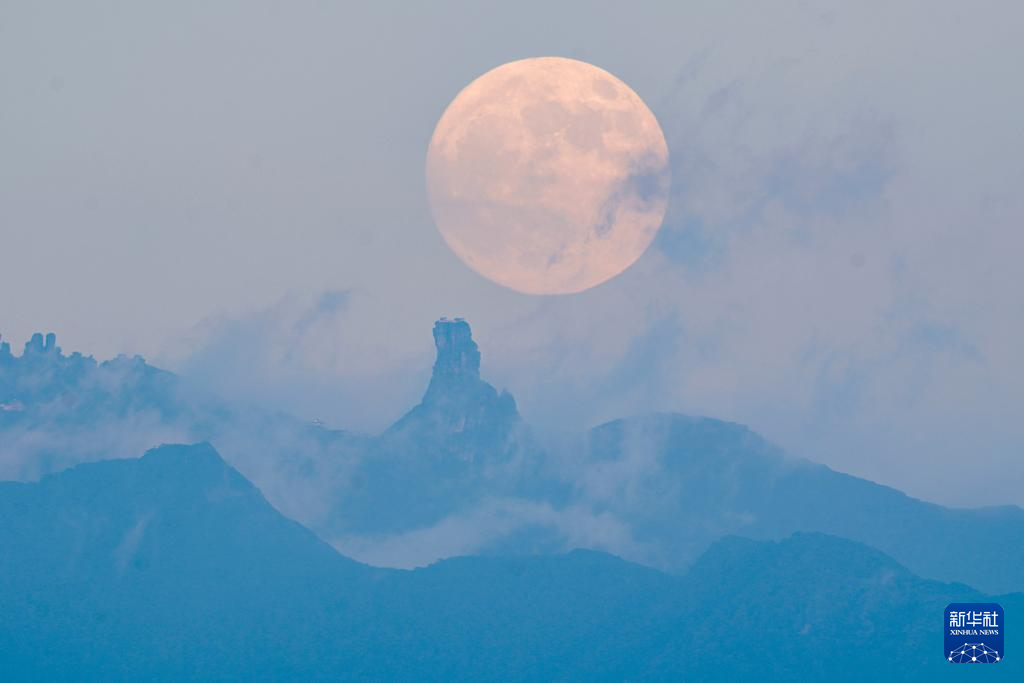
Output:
x=225 y=587
x=716 y=478
x=472 y=478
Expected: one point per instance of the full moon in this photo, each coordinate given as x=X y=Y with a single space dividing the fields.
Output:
x=548 y=175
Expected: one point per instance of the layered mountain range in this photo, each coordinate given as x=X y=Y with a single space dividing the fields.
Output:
x=175 y=567
x=461 y=473
x=666 y=547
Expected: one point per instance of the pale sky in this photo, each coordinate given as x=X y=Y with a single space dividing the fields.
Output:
x=235 y=190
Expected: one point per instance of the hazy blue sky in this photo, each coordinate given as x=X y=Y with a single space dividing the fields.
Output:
x=235 y=190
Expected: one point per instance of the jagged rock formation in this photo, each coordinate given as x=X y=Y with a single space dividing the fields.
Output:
x=58 y=410
x=463 y=443
x=38 y=344
x=460 y=415
x=5 y=351
x=460 y=472
x=458 y=356
x=56 y=386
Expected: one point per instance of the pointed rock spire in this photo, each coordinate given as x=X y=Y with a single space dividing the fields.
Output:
x=34 y=345
x=458 y=357
x=39 y=344
x=457 y=399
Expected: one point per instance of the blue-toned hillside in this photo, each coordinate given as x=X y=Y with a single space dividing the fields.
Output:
x=174 y=567
x=461 y=472
x=693 y=480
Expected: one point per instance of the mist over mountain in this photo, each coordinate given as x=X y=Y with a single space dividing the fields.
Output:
x=681 y=482
x=734 y=393
x=174 y=567
x=157 y=568
x=461 y=473
x=464 y=443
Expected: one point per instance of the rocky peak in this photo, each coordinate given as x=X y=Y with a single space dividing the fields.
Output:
x=463 y=441
x=457 y=354
x=39 y=345
x=457 y=366
x=457 y=399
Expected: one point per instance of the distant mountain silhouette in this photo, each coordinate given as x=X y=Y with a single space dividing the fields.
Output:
x=58 y=410
x=464 y=442
x=814 y=607
x=170 y=566
x=693 y=480
x=174 y=567
x=461 y=473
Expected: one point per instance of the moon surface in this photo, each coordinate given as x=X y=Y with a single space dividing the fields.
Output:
x=548 y=175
